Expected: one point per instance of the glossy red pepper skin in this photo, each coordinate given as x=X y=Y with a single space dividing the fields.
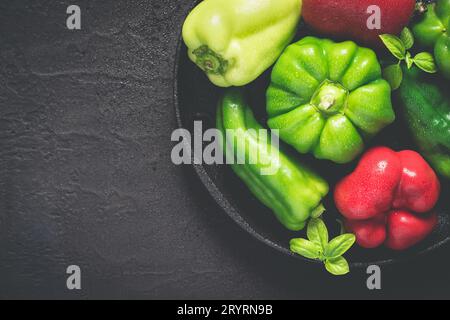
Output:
x=405 y=229
x=419 y=186
x=384 y=198
x=385 y=180
x=398 y=229
x=369 y=233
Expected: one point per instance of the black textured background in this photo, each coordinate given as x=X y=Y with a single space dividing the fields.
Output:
x=86 y=177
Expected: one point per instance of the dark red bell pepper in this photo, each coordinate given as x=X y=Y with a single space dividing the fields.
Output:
x=387 y=197
x=350 y=19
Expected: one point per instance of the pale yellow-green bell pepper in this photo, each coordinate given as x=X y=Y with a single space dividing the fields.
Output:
x=235 y=41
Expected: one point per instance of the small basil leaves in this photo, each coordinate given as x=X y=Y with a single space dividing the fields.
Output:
x=398 y=47
x=318 y=247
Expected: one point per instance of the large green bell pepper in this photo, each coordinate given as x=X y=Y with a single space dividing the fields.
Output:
x=433 y=31
x=292 y=191
x=327 y=97
x=235 y=41
x=425 y=102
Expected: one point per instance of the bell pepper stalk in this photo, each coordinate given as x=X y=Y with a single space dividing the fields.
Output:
x=328 y=98
x=389 y=199
x=235 y=41
x=293 y=192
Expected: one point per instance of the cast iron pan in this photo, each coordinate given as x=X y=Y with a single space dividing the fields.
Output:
x=196 y=99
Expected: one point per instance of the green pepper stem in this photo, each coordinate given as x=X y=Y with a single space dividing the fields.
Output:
x=421 y=7
x=330 y=98
x=326 y=102
x=317 y=212
x=210 y=61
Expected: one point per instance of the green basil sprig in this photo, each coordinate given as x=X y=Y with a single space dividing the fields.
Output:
x=399 y=47
x=318 y=247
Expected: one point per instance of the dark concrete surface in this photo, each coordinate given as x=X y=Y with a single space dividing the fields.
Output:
x=86 y=178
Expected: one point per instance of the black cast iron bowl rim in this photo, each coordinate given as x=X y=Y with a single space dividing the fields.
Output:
x=233 y=213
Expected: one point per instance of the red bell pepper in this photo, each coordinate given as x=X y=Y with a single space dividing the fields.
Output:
x=348 y=19
x=386 y=199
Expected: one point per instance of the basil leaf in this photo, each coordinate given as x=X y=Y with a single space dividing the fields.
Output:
x=339 y=245
x=306 y=248
x=425 y=61
x=317 y=232
x=394 y=45
x=338 y=266
x=407 y=38
x=394 y=75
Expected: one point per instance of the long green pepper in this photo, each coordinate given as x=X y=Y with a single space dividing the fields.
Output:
x=292 y=191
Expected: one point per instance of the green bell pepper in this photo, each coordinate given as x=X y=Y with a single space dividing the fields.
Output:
x=292 y=191
x=425 y=103
x=433 y=31
x=235 y=41
x=327 y=97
